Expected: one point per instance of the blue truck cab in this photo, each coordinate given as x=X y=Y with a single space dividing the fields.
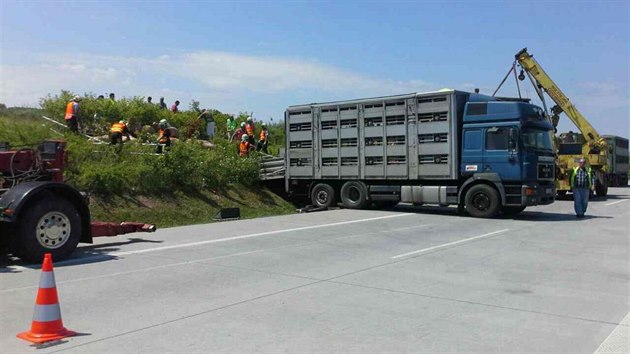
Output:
x=509 y=143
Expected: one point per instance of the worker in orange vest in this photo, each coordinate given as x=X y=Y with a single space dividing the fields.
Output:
x=72 y=112
x=117 y=132
x=250 y=129
x=164 y=136
x=262 y=142
x=244 y=146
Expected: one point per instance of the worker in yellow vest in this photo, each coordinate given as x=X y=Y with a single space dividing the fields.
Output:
x=72 y=113
x=117 y=132
x=581 y=182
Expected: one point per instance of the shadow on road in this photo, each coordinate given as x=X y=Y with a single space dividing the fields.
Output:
x=82 y=255
x=549 y=216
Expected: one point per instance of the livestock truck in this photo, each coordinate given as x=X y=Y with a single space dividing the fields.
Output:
x=485 y=155
x=617 y=174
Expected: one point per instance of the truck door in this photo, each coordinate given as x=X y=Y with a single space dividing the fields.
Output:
x=499 y=154
x=472 y=152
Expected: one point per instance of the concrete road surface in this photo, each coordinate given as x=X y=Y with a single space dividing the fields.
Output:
x=402 y=280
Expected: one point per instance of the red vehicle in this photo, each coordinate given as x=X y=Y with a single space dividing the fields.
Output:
x=41 y=214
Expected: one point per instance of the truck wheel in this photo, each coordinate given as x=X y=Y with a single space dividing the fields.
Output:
x=601 y=189
x=354 y=195
x=322 y=195
x=482 y=201
x=49 y=225
x=512 y=210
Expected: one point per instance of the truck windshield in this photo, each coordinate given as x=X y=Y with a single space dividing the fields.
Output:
x=537 y=139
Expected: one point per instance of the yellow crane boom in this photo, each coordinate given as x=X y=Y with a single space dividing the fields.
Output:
x=595 y=148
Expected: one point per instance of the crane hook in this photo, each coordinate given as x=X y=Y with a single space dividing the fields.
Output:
x=521 y=76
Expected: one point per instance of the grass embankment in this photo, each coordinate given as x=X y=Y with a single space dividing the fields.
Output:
x=187 y=185
x=188 y=208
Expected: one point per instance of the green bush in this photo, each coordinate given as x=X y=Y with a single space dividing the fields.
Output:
x=136 y=169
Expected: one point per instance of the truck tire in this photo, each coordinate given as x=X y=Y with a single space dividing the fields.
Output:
x=354 y=195
x=322 y=195
x=48 y=225
x=601 y=189
x=482 y=201
x=512 y=210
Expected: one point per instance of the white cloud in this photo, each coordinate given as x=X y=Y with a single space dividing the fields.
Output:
x=195 y=73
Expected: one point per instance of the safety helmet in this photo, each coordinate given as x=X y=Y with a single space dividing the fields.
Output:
x=263 y=124
x=122 y=121
x=244 y=138
x=249 y=119
x=243 y=125
x=75 y=98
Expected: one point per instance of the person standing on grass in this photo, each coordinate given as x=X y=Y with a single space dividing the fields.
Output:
x=162 y=103
x=174 y=107
x=264 y=136
x=72 y=114
x=230 y=127
x=250 y=129
x=206 y=115
x=581 y=182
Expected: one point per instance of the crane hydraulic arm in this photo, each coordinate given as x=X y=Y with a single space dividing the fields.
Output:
x=595 y=142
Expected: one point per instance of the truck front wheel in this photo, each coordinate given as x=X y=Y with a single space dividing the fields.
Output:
x=601 y=189
x=482 y=201
x=49 y=225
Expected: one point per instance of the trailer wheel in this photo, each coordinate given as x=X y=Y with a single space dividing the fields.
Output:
x=354 y=195
x=482 y=201
x=322 y=195
x=49 y=225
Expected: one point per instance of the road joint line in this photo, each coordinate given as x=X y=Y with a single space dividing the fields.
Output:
x=433 y=248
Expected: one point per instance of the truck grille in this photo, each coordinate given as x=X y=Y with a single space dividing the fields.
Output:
x=545 y=171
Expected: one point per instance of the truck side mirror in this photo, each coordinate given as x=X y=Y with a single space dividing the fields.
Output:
x=513 y=139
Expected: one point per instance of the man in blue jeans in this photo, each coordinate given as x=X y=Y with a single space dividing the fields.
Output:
x=581 y=182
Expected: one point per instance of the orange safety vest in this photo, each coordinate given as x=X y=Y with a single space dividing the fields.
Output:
x=250 y=129
x=118 y=128
x=263 y=135
x=244 y=149
x=70 y=110
x=162 y=139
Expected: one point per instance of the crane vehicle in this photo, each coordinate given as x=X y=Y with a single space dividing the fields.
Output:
x=590 y=145
x=39 y=213
x=483 y=154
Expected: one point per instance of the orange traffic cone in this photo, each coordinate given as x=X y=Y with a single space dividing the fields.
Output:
x=47 y=324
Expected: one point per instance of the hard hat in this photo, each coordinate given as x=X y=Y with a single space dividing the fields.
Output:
x=122 y=122
x=244 y=138
x=75 y=98
x=250 y=118
x=263 y=124
x=163 y=121
x=243 y=125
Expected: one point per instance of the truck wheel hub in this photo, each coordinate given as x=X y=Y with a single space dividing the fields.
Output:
x=322 y=197
x=481 y=201
x=53 y=230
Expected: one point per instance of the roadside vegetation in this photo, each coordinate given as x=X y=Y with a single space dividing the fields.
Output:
x=187 y=185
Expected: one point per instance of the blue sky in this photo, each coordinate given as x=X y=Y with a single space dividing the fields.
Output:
x=264 y=56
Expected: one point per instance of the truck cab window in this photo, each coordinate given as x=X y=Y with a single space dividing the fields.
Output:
x=497 y=139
